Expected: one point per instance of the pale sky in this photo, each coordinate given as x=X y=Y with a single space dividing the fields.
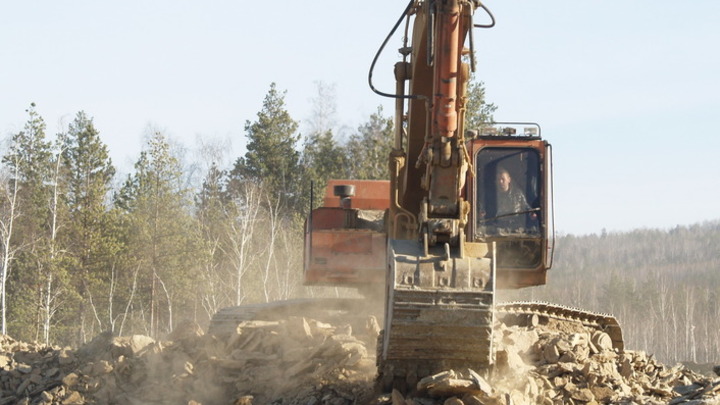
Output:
x=626 y=91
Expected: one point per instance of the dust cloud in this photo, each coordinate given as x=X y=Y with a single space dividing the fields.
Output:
x=286 y=360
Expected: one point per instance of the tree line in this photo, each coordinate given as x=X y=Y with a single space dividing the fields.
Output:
x=80 y=254
x=663 y=286
x=82 y=251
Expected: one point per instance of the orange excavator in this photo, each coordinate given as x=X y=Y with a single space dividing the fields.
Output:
x=466 y=211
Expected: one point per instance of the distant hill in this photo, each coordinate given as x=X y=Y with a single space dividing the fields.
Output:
x=662 y=285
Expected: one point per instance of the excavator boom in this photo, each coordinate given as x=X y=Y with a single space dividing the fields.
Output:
x=440 y=287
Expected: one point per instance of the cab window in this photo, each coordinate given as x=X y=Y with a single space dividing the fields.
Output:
x=507 y=192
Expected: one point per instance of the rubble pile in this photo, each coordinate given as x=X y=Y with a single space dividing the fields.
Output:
x=303 y=361
x=296 y=360
x=547 y=366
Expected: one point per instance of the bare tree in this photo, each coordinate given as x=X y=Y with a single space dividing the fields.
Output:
x=9 y=186
x=242 y=228
x=212 y=293
x=661 y=309
x=674 y=319
x=273 y=227
x=130 y=300
x=689 y=324
x=50 y=302
x=168 y=298
x=112 y=319
x=285 y=273
x=324 y=108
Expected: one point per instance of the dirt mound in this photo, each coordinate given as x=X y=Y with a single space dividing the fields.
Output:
x=303 y=361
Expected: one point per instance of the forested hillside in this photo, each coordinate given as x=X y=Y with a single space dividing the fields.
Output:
x=662 y=285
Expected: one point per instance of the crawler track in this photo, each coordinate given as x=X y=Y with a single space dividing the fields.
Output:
x=559 y=313
x=403 y=375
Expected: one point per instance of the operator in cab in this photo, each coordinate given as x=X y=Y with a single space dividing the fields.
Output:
x=510 y=200
x=508 y=210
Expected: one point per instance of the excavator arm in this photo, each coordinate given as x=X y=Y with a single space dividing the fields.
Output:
x=430 y=166
x=440 y=286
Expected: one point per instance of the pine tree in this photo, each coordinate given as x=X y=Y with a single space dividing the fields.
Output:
x=211 y=199
x=87 y=175
x=477 y=110
x=31 y=154
x=369 y=148
x=272 y=157
x=323 y=159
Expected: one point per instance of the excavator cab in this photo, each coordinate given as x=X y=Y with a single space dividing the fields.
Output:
x=511 y=190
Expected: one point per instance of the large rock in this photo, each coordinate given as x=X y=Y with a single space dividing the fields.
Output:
x=129 y=346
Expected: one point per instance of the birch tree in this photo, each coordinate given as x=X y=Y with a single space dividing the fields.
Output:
x=211 y=207
x=54 y=283
x=28 y=160
x=163 y=238
x=243 y=220
x=272 y=227
x=8 y=214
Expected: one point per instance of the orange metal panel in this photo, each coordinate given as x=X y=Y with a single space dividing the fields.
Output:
x=345 y=257
x=355 y=242
x=328 y=218
x=369 y=194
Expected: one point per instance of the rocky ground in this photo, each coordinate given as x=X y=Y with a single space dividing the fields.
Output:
x=543 y=365
x=303 y=361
